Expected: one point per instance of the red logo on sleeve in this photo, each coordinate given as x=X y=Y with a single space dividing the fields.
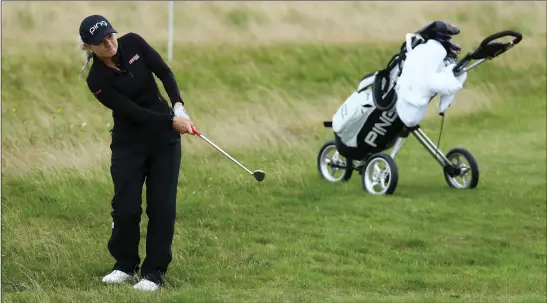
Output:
x=135 y=58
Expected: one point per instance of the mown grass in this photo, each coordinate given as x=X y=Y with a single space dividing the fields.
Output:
x=293 y=237
x=296 y=237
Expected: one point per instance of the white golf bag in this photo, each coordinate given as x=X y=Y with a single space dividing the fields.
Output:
x=389 y=104
x=363 y=126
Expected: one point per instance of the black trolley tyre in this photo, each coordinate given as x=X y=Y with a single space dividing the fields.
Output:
x=472 y=167
x=387 y=177
x=323 y=167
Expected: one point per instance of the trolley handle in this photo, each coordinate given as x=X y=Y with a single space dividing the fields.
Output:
x=488 y=49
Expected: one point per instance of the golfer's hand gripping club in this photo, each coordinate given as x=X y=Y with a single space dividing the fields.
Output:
x=257 y=174
x=184 y=125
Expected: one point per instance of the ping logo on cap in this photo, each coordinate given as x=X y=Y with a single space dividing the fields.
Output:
x=96 y=26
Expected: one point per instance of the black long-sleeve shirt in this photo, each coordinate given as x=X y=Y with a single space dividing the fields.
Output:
x=132 y=93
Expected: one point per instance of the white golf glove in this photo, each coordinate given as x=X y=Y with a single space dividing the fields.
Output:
x=180 y=111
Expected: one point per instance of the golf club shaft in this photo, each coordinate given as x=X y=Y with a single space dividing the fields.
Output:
x=224 y=153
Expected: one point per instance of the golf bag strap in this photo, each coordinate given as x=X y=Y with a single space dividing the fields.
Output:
x=384 y=75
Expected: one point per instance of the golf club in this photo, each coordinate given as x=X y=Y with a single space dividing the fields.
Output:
x=257 y=174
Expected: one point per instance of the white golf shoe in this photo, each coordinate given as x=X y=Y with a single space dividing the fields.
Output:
x=146 y=285
x=118 y=276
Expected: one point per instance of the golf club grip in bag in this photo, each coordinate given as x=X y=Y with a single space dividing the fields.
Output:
x=488 y=50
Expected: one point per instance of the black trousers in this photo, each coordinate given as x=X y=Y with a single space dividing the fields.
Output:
x=131 y=166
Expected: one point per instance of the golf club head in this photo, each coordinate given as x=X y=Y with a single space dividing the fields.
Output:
x=259 y=175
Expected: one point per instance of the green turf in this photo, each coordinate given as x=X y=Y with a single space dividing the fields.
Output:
x=293 y=237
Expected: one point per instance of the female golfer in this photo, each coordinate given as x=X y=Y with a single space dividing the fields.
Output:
x=145 y=146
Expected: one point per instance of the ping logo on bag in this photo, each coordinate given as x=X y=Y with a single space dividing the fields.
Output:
x=380 y=128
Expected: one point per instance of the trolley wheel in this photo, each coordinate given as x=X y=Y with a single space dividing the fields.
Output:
x=332 y=166
x=380 y=175
x=467 y=170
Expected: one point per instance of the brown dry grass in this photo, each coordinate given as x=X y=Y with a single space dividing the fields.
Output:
x=267 y=21
x=28 y=26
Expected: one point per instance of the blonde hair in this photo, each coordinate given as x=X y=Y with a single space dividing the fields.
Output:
x=87 y=54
